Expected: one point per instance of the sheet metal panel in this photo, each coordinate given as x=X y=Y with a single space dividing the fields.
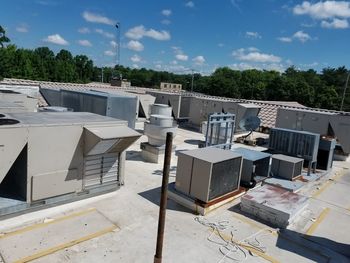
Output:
x=295 y=143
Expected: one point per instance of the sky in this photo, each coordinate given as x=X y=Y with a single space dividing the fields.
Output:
x=183 y=35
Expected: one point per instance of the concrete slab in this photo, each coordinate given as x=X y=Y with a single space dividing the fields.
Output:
x=324 y=232
x=292 y=186
x=273 y=204
x=44 y=238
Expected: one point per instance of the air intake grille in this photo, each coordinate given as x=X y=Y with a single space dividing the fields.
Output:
x=101 y=169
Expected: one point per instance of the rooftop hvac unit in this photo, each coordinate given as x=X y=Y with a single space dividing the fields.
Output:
x=50 y=156
x=121 y=105
x=256 y=166
x=295 y=143
x=208 y=173
x=332 y=124
x=286 y=167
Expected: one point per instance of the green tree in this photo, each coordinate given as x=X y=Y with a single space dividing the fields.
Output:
x=3 y=37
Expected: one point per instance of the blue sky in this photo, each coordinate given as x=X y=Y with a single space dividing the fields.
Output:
x=179 y=35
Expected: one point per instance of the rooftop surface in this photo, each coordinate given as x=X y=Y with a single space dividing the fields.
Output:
x=121 y=226
x=58 y=118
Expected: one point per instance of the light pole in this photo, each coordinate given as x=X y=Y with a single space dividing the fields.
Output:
x=192 y=80
x=344 y=92
x=117 y=25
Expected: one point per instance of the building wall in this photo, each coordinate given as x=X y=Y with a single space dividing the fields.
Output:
x=167 y=86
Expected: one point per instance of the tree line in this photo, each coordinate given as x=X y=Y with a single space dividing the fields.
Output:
x=308 y=87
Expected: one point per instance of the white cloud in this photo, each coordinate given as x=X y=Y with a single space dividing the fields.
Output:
x=158 y=66
x=299 y=35
x=221 y=45
x=311 y=65
x=104 y=33
x=84 y=30
x=252 y=35
x=135 y=45
x=174 y=62
x=56 y=39
x=267 y=66
x=243 y=66
x=140 y=31
x=97 y=18
x=166 y=22
x=109 y=53
x=113 y=44
x=179 y=54
x=135 y=58
x=285 y=39
x=302 y=36
x=335 y=23
x=199 y=60
x=254 y=55
x=189 y=4
x=166 y=12
x=23 y=28
x=181 y=57
x=323 y=9
x=85 y=43
x=135 y=66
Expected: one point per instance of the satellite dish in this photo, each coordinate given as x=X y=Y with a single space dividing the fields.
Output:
x=250 y=123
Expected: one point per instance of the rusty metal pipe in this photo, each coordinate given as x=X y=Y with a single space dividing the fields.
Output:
x=163 y=198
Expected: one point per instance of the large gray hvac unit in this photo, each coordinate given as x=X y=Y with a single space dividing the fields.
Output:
x=332 y=124
x=208 y=173
x=121 y=106
x=53 y=156
x=295 y=143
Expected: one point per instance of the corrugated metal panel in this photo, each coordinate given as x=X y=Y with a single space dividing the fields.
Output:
x=295 y=143
x=101 y=169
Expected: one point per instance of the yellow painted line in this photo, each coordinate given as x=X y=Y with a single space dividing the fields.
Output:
x=254 y=224
x=328 y=183
x=318 y=221
x=43 y=224
x=49 y=251
x=337 y=176
x=275 y=233
x=321 y=190
x=249 y=248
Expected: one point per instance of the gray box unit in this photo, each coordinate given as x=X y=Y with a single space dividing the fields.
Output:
x=121 y=106
x=48 y=155
x=256 y=165
x=286 y=166
x=295 y=143
x=208 y=173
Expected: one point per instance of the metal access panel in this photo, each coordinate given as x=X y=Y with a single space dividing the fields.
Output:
x=208 y=173
x=286 y=167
